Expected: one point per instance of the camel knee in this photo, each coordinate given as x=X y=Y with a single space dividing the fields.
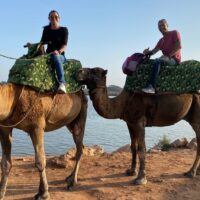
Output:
x=79 y=152
x=6 y=166
x=40 y=166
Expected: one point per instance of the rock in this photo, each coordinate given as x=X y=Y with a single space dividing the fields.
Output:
x=125 y=148
x=192 y=144
x=179 y=143
x=88 y=151
x=155 y=149
x=66 y=160
x=62 y=161
x=93 y=150
x=152 y=150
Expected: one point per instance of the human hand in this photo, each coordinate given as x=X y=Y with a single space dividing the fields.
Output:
x=56 y=52
x=146 y=51
x=28 y=44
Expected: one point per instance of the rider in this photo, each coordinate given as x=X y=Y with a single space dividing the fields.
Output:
x=170 y=45
x=56 y=37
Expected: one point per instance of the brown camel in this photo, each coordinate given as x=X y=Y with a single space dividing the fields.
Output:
x=141 y=110
x=24 y=108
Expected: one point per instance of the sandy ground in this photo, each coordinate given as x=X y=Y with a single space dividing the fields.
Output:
x=103 y=177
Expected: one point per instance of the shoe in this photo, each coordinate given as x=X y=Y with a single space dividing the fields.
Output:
x=149 y=89
x=61 y=88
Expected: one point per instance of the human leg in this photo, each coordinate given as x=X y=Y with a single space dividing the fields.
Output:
x=58 y=61
x=155 y=72
x=163 y=61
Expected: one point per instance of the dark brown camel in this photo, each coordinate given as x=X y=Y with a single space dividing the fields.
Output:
x=34 y=113
x=141 y=110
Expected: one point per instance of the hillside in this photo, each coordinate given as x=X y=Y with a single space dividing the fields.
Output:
x=113 y=90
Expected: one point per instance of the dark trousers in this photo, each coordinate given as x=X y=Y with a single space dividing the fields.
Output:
x=162 y=61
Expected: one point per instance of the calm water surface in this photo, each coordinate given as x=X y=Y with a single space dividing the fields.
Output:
x=111 y=134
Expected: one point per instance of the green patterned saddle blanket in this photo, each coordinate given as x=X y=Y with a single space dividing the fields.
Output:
x=38 y=73
x=183 y=78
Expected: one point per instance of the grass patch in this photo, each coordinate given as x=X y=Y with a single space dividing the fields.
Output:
x=164 y=144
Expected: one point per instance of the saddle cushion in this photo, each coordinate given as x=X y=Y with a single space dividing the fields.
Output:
x=183 y=78
x=38 y=74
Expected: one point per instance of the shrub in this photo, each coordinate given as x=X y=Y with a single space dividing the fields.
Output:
x=164 y=144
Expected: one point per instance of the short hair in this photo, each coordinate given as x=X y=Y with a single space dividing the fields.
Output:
x=163 y=20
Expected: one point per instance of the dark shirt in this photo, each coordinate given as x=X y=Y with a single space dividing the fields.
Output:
x=57 y=38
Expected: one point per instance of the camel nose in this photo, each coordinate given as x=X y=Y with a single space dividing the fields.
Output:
x=80 y=74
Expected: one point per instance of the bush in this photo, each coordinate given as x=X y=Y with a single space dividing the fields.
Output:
x=164 y=144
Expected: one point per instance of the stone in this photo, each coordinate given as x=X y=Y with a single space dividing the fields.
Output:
x=179 y=143
x=125 y=148
x=192 y=144
x=63 y=161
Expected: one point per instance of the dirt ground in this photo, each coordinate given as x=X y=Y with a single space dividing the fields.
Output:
x=103 y=177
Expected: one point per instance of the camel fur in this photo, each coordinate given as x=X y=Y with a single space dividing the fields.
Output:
x=140 y=110
x=23 y=108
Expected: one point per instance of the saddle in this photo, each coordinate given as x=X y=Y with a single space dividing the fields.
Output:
x=34 y=70
x=183 y=78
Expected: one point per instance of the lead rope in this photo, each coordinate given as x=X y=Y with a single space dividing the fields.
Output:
x=12 y=58
x=8 y=57
x=13 y=125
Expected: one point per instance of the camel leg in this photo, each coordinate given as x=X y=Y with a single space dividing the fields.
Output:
x=37 y=137
x=141 y=178
x=77 y=128
x=132 y=171
x=6 y=163
x=193 y=171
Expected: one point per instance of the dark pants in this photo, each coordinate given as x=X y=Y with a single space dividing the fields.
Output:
x=162 y=61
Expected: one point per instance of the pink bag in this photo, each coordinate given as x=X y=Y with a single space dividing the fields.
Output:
x=131 y=63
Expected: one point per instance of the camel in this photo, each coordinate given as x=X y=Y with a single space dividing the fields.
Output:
x=24 y=108
x=140 y=110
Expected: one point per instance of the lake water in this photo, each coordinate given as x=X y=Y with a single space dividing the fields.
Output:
x=111 y=134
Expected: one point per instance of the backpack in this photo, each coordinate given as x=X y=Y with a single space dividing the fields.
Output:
x=130 y=64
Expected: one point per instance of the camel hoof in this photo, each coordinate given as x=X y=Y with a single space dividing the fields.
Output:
x=140 y=181
x=42 y=197
x=2 y=194
x=69 y=188
x=131 y=172
x=189 y=174
x=70 y=183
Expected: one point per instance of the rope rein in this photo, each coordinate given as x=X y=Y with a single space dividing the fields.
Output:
x=12 y=58
x=8 y=57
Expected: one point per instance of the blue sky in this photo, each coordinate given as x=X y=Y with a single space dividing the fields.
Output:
x=101 y=32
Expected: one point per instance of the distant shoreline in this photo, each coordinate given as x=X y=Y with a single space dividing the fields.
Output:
x=113 y=90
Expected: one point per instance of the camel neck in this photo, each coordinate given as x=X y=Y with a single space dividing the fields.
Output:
x=105 y=106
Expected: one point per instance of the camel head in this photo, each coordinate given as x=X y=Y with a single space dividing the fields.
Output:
x=92 y=77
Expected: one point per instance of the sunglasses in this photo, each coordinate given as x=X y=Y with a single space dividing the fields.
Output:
x=54 y=17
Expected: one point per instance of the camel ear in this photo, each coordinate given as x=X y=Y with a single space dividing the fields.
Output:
x=105 y=72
